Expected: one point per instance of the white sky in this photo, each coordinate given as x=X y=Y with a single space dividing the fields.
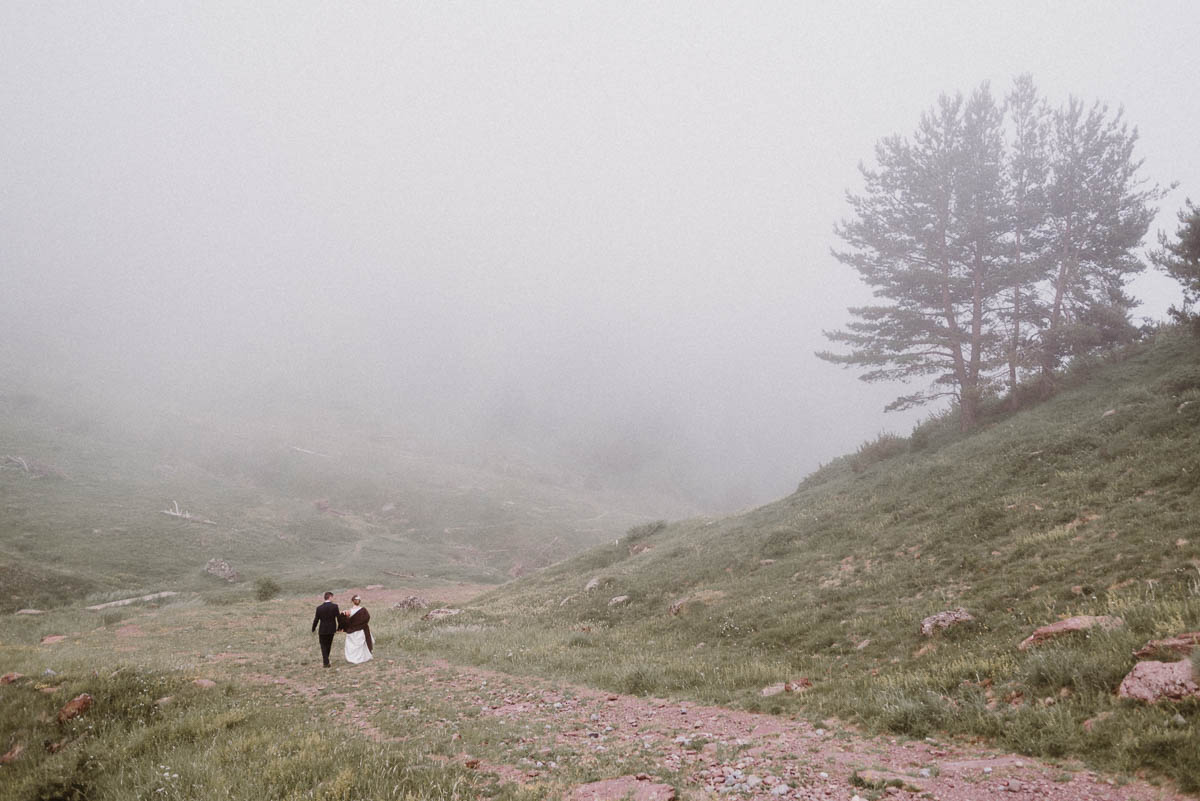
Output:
x=597 y=220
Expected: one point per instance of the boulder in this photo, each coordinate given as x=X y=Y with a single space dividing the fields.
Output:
x=625 y=787
x=75 y=707
x=593 y=584
x=221 y=569
x=438 y=614
x=944 y=620
x=1181 y=644
x=412 y=602
x=1154 y=681
x=618 y=600
x=1071 y=624
x=795 y=686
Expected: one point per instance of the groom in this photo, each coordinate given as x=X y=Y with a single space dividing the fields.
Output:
x=327 y=616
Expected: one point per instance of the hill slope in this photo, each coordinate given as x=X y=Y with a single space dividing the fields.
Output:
x=1085 y=504
x=83 y=491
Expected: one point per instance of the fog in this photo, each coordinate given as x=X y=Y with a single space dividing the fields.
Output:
x=593 y=232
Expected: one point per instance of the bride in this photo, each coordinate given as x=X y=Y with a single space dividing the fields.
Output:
x=358 y=634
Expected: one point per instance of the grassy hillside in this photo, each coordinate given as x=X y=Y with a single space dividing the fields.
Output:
x=1084 y=504
x=82 y=494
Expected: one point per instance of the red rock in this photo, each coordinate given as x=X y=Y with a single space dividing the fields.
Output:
x=50 y=639
x=625 y=787
x=1154 y=681
x=1071 y=624
x=1181 y=644
x=75 y=707
x=12 y=754
x=9 y=678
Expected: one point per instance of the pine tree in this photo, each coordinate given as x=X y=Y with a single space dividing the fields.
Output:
x=1181 y=259
x=1026 y=175
x=994 y=238
x=926 y=234
x=1099 y=213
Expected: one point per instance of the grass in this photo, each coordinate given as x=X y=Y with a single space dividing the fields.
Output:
x=230 y=742
x=1084 y=504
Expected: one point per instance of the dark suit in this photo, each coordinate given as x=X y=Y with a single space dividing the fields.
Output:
x=327 y=617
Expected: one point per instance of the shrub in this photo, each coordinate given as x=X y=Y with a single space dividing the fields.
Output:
x=265 y=589
x=885 y=446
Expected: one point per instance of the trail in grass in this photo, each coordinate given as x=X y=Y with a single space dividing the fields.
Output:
x=551 y=737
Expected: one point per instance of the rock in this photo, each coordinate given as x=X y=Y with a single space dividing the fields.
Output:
x=780 y=790
x=205 y=684
x=1109 y=413
x=166 y=699
x=29 y=612
x=221 y=569
x=1181 y=644
x=625 y=787
x=50 y=639
x=944 y=620
x=640 y=547
x=75 y=707
x=374 y=586
x=412 y=602
x=440 y=613
x=1071 y=624
x=618 y=600
x=12 y=754
x=9 y=678
x=1154 y=681
x=566 y=600
x=593 y=584
x=1090 y=723
x=795 y=686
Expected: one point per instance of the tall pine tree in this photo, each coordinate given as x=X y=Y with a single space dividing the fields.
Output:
x=994 y=238
x=926 y=235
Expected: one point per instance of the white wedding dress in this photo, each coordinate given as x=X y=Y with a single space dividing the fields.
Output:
x=356 y=644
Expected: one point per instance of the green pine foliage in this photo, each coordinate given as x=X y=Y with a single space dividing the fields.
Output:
x=999 y=239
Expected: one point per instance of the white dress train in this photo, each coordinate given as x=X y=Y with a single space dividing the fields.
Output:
x=356 y=644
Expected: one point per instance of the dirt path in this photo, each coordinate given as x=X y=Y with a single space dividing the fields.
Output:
x=550 y=733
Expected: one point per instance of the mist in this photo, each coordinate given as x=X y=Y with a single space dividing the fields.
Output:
x=589 y=234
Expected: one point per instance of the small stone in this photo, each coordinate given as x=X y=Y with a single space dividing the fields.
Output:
x=205 y=684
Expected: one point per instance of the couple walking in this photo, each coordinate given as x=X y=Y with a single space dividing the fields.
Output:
x=353 y=622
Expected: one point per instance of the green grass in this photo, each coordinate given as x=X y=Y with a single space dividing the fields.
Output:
x=1061 y=509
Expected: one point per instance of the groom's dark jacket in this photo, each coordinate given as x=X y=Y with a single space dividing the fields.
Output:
x=327 y=616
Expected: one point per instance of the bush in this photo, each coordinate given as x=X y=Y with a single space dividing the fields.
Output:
x=885 y=446
x=265 y=589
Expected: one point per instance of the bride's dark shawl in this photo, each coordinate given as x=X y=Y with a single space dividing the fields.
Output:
x=358 y=622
